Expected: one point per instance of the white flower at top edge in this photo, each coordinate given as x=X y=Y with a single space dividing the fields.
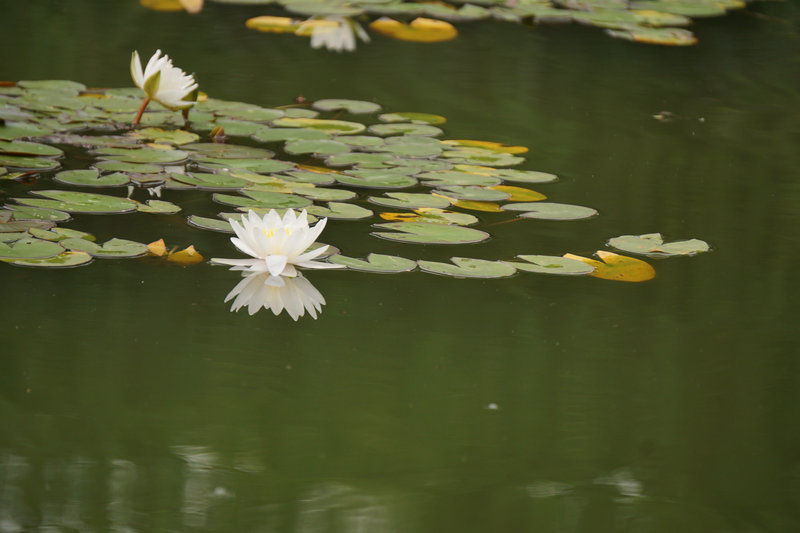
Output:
x=277 y=245
x=166 y=84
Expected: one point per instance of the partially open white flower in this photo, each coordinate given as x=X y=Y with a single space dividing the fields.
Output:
x=276 y=245
x=337 y=34
x=166 y=84
x=261 y=289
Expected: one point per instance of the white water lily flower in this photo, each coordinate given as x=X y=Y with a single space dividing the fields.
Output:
x=166 y=84
x=339 y=35
x=261 y=289
x=276 y=245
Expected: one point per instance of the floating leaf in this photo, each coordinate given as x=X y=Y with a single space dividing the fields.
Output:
x=91 y=178
x=138 y=168
x=443 y=178
x=266 y=135
x=519 y=194
x=376 y=179
x=376 y=263
x=664 y=36
x=323 y=147
x=471 y=192
x=213 y=224
x=488 y=207
x=270 y=24
x=187 y=256
x=403 y=128
x=617 y=267
x=261 y=166
x=226 y=151
x=22 y=212
x=552 y=264
x=29 y=248
x=551 y=211
x=157 y=248
x=142 y=155
x=114 y=248
x=429 y=233
x=22 y=162
x=80 y=202
x=167 y=136
x=363 y=160
x=65 y=259
x=158 y=207
x=351 y=106
x=404 y=200
x=29 y=149
x=321 y=194
x=653 y=244
x=422 y=30
x=433 y=215
x=337 y=127
x=464 y=267
x=487 y=145
x=415 y=118
x=340 y=211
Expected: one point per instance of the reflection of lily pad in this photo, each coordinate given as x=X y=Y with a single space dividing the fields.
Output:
x=376 y=263
x=552 y=264
x=429 y=233
x=464 y=267
x=653 y=244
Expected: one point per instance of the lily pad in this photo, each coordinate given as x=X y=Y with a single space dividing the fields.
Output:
x=323 y=147
x=65 y=259
x=322 y=194
x=522 y=176
x=118 y=166
x=80 y=202
x=434 y=215
x=29 y=248
x=158 y=207
x=142 y=155
x=652 y=244
x=266 y=135
x=114 y=248
x=22 y=212
x=449 y=177
x=161 y=135
x=211 y=182
x=376 y=179
x=261 y=166
x=519 y=194
x=29 y=149
x=414 y=118
x=552 y=264
x=464 y=267
x=363 y=160
x=334 y=127
x=91 y=178
x=351 y=106
x=423 y=30
x=213 y=224
x=616 y=267
x=429 y=233
x=551 y=210
x=340 y=211
x=226 y=151
x=404 y=200
x=471 y=192
x=22 y=162
x=376 y=263
x=403 y=128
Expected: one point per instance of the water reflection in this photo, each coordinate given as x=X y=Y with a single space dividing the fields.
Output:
x=278 y=293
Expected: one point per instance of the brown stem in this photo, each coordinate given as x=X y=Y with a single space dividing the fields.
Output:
x=141 y=110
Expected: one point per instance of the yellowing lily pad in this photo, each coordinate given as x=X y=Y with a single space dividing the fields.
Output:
x=519 y=194
x=464 y=267
x=487 y=145
x=616 y=267
x=422 y=30
x=334 y=127
x=472 y=192
x=414 y=118
x=187 y=256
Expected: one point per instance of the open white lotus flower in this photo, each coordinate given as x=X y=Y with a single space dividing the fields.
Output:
x=261 y=289
x=166 y=84
x=276 y=244
x=337 y=34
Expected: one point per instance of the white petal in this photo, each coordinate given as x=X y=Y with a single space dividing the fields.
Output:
x=276 y=264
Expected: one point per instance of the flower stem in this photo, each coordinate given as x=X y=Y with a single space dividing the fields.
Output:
x=141 y=110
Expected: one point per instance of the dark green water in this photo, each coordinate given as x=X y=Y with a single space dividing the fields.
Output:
x=131 y=399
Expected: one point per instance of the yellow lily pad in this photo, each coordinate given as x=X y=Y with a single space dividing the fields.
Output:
x=421 y=30
x=617 y=267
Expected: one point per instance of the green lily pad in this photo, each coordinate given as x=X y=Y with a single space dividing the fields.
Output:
x=226 y=151
x=251 y=114
x=20 y=130
x=22 y=162
x=273 y=200
x=412 y=149
x=351 y=106
x=334 y=127
x=323 y=147
x=232 y=127
x=652 y=244
x=420 y=165
x=322 y=194
x=340 y=211
x=137 y=168
x=266 y=135
x=213 y=224
x=551 y=210
x=114 y=248
x=360 y=141
x=28 y=149
x=260 y=166
x=60 y=86
x=320 y=8
x=305 y=176
x=29 y=248
x=158 y=207
x=552 y=264
x=376 y=263
x=450 y=177
x=663 y=36
x=363 y=160
x=65 y=259
x=161 y=135
x=425 y=130
x=429 y=233
x=405 y=200
x=142 y=155
x=59 y=234
x=211 y=182
x=91 y=178
x=22 y=212
x=486 y=158
x=434 y=215
x=414 y=118
x=472 y=192
x=79 y=202
x=464 y=267
x=688 y=9
x=376 y=179
x=524 y=176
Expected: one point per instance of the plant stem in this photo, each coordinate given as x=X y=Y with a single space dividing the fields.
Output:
x=141 y=110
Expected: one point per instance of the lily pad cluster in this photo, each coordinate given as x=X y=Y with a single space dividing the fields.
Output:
x=661 y=22
x=346 y=160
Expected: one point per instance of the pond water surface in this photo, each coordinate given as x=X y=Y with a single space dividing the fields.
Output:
x=131 y=399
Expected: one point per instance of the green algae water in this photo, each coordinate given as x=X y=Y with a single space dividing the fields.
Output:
x=132 y=399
